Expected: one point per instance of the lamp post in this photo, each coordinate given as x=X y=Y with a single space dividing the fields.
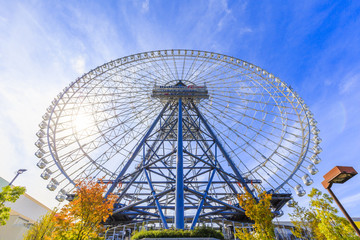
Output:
x=340 y=174
x=20 y=171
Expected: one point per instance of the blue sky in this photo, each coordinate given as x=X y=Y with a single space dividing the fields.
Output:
x=314 y=46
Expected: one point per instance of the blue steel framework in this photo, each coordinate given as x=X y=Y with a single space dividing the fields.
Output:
x=182 y=126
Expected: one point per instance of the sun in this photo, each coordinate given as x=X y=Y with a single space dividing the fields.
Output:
x=83 y=122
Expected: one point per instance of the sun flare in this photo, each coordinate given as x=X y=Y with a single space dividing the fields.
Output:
x=83 y=121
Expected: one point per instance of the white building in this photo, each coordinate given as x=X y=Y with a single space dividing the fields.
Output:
x=24 y=212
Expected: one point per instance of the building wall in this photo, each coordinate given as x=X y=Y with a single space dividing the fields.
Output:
x=15 y=228
x=357 y=221
x=28 y=207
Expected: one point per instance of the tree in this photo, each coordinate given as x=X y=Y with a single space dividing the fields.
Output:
x=330 y=224
x=305 y=223
x=260 y=213
x=43 y=228
x=8 y=194
x=321 y=220
x=81 y=218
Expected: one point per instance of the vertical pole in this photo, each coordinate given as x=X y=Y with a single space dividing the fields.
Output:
x=223 y=228
x=179 y=197
x=344 y=211
x=17 y=174
x=234 y=232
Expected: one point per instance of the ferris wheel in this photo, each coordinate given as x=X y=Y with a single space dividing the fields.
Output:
x=172 y=130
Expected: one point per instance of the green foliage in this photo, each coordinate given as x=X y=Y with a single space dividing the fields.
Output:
x=43 y=228
x=176 y=233
x=260 y=213
x=304 y=222
x=8 y=194
x=320 y=221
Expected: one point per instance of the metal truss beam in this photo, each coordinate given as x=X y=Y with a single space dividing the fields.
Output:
x=156 y=201
x=214 y=199
x=137 y=150
x=223 y=151
x=158 y=195
x=202 y=201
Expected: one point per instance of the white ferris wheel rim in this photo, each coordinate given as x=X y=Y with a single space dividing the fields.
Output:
x=263 y=123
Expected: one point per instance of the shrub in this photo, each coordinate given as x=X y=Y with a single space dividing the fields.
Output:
x=178 y=233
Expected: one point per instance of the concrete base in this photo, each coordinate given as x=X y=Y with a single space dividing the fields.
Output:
x=179 y=239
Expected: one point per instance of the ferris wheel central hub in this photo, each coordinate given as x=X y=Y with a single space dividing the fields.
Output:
x=180 y=90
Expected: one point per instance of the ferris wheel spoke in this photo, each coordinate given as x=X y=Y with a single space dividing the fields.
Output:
x=164 y=69
x=255 y=130
x=194 y=67
x=155 y=74
x=257 y=102
x=260 y=121
x=111 y=147
x=219 y=79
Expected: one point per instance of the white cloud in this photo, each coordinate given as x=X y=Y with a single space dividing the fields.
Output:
x=78 y=65
x=145 y=6
x=350 y=83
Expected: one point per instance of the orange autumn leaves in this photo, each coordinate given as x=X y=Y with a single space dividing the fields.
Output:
x=83 y=215
x=81 y=218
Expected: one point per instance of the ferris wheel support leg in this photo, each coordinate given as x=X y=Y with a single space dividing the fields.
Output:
x=225 y=154
x=163 y=219
x=179 y=191
x=137 y=150
x=196 y=217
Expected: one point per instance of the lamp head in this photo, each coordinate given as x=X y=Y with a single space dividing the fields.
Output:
x=339 y=174
x=20 y=171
